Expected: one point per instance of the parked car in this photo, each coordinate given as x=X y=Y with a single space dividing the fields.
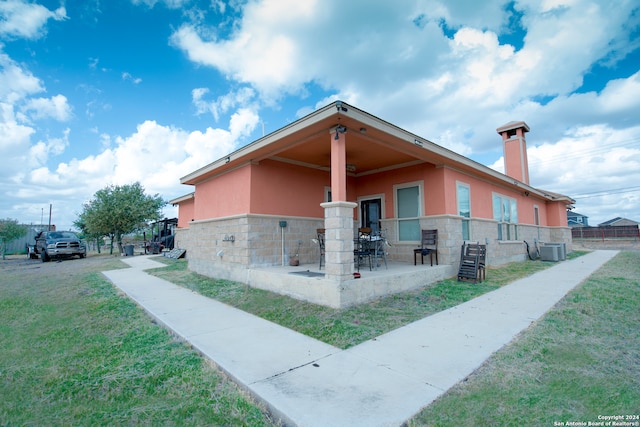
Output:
x=59 y=244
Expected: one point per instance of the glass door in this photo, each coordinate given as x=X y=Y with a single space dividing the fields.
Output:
x=370 y=213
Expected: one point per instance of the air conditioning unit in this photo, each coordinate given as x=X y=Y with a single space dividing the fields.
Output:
x=562 y=249
x=549 y=253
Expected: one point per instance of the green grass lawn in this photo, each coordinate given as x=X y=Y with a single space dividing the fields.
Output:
x=348 y=327
x=74 y=352
x=579 y=361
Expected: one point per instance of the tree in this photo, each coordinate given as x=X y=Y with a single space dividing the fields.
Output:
x=118 y=210
x=82 y=226
x=10 y=230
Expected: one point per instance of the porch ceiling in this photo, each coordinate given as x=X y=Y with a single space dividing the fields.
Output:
x=364 y=154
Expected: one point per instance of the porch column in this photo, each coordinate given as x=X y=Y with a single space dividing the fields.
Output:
x=338 y=223
x=338 y=214
x=338 y=165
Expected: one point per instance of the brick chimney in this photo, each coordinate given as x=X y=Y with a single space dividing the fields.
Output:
x=514 y=144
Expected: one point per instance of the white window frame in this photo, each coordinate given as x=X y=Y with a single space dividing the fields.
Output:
x=396 y=187
x=507 y=230
x=466 y=220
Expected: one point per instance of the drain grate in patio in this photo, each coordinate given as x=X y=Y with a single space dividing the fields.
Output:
x=307 y=273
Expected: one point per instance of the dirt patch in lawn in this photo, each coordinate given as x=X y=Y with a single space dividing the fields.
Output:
x=29 y=269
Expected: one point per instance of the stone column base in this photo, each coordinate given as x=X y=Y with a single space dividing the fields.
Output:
x=338 y=224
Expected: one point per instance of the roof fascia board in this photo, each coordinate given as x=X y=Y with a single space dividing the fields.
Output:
x=263 y=142
x=446 y=156
x=442 y=152
x=182 y=198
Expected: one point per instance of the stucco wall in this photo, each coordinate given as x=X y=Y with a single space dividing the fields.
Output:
x=279 y=188
x=185 y=213
x=225 y=195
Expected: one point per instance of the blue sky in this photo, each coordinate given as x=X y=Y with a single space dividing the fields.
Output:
x=97 y=92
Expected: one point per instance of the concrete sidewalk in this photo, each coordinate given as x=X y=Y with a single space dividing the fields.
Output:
x=382 y=382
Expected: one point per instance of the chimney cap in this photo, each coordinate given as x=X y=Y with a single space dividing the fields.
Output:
x=512 y=126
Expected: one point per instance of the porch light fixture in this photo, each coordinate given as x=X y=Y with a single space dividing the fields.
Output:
x=339 y=129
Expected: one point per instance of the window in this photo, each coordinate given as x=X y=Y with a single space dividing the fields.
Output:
x=505 y=211
x=408 y=211
x=464 y=208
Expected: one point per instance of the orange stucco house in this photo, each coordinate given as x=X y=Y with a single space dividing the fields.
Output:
x=340 y=168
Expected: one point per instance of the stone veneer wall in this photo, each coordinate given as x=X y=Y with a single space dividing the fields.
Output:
x=449 y=239
x=227 y=247
x=257 y=242
x=484 y=231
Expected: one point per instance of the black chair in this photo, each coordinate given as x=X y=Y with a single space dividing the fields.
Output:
x=428 y=246
x=473 y=258
x=379 y=242
x=363 y=247
x=320 y=233
x=482 y=262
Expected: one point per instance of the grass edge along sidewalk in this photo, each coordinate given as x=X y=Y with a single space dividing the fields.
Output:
x=580 y=361
x=347 y=327
x=577 y=364
x=75 y=352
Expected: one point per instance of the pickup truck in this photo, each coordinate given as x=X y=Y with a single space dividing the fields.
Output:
x=59 y=244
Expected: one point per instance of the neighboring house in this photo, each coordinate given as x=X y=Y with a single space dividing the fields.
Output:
x=577 y=220
x=340 y=168
x=616 y=228
x=618 y=222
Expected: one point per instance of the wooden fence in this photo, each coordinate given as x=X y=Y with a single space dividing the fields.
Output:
x=626 y=232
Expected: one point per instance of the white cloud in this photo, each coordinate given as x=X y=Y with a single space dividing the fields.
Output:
x=15 y=82
x=40 y=152
x=128 y=77
x=588 y=159
x=55 y=107
x=243 y=97
x=259 y=54
x=171 y=4
x=621 y=96
x=155 y=155
x=14 y=141
x=26 y=19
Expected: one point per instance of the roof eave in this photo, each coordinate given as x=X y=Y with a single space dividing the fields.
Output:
x=181 y=199
x=243 y=154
